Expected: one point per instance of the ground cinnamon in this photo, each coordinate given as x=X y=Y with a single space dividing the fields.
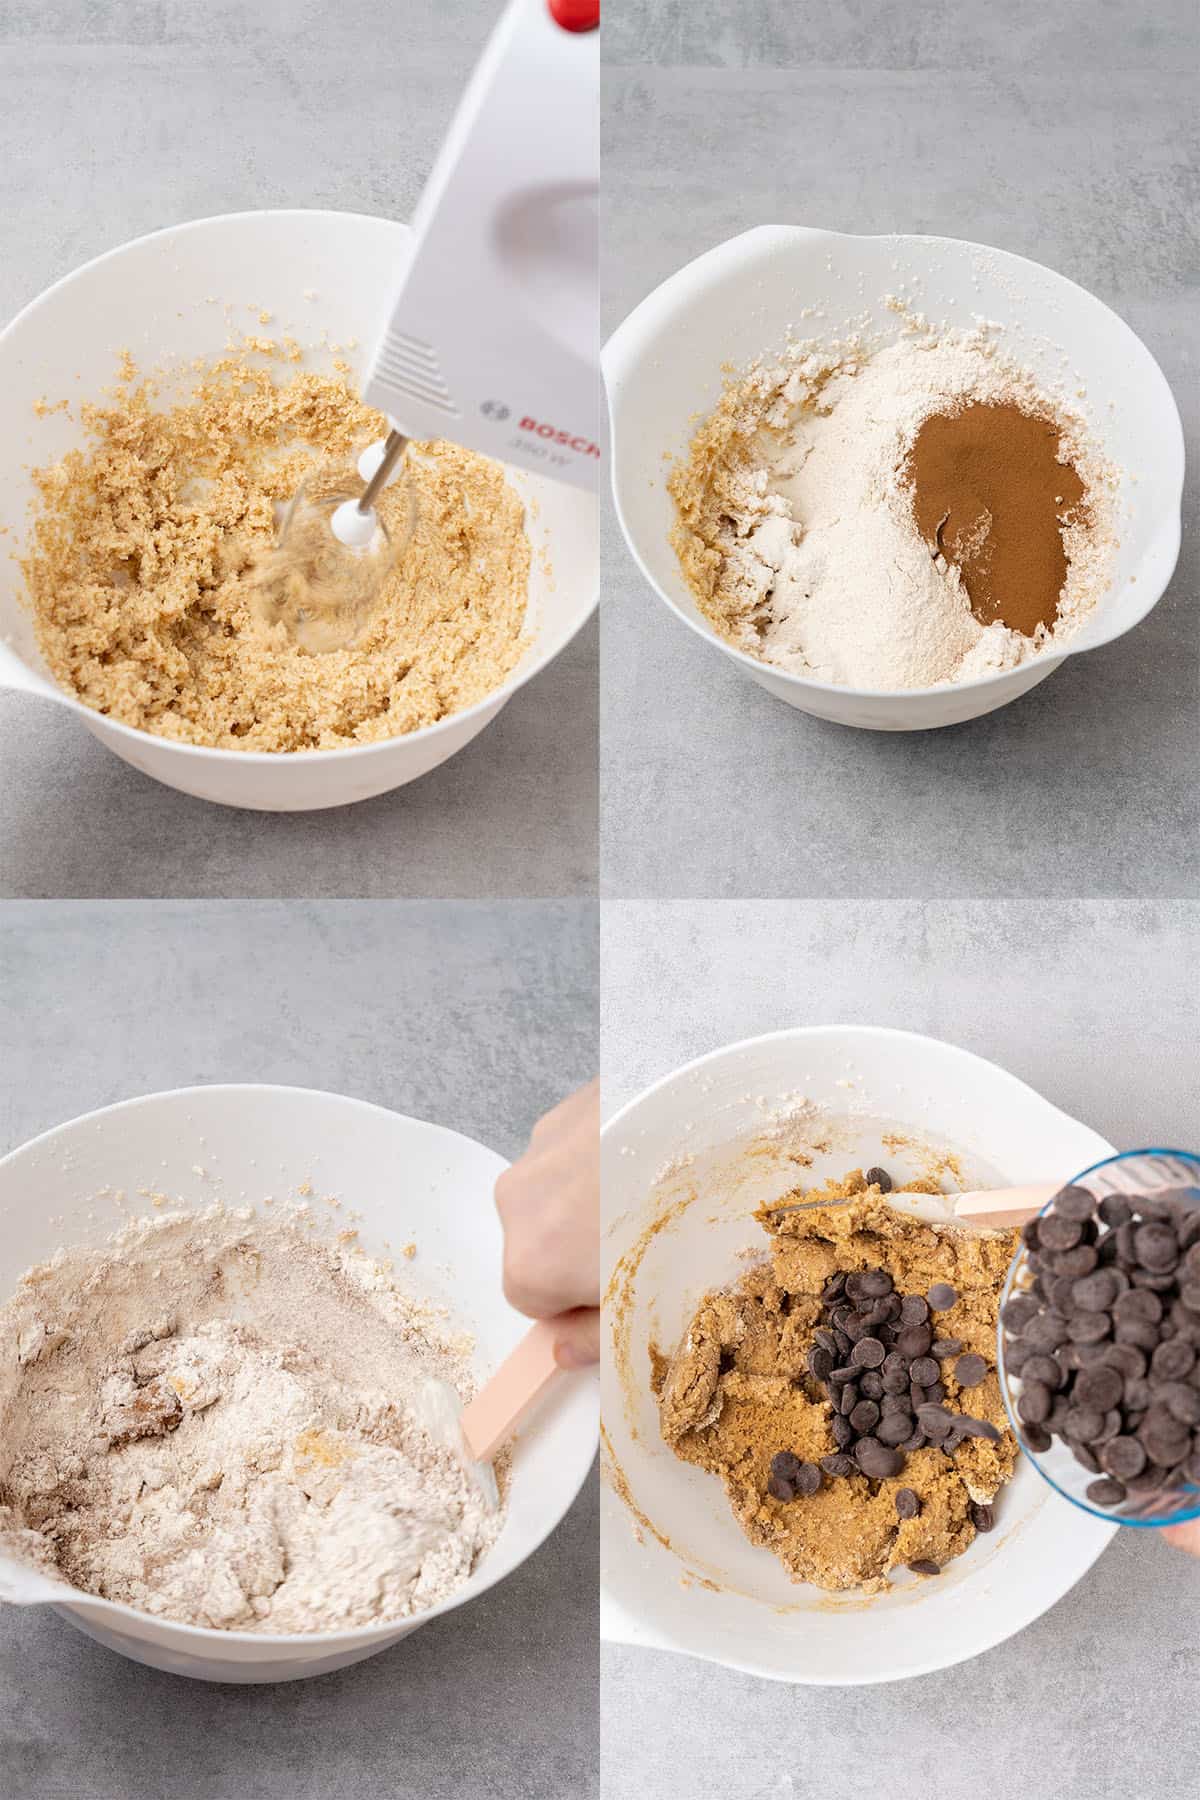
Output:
x=991 y=495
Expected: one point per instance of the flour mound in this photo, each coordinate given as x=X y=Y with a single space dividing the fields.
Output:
x=795 y=528
x=215 y=1420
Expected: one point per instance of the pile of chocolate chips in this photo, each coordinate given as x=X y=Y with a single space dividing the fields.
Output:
x=880 y=1363
x=1106 y=1339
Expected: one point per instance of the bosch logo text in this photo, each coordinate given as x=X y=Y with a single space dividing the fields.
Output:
x=583 y=445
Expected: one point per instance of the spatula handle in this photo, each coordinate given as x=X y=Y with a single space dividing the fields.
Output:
x=491 y=1417
x=1002 y=1207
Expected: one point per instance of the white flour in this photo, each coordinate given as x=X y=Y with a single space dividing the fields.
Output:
x=213 y=1420
x=797 y=535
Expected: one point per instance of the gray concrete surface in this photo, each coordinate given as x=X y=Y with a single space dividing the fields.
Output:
x=1087 y=1001
x=1067 y=134
x=479 y=1016
x=118 y=118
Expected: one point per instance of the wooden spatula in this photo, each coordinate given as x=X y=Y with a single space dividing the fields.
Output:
x=1001 y=1207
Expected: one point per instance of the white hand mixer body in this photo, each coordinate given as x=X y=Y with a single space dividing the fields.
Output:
x=493 y=337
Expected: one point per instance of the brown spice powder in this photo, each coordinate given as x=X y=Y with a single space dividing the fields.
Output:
x=992 y=494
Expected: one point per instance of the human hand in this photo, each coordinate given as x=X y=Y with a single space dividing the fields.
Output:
x=1184 y=1537
x=549 y=1206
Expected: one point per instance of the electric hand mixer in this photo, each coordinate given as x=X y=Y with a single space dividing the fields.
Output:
x=492 y=339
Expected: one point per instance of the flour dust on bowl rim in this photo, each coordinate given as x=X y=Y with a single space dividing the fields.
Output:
x=152 y=297
x=665 y=366
x=410 y=1181
x=682 y=1168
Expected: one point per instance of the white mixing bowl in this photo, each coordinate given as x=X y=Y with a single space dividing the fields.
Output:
x=165 y=297
x=682 y=1167
x=410 y=1182
x=665 y=365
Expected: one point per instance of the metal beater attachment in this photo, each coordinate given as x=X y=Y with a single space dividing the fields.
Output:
x=323 y=576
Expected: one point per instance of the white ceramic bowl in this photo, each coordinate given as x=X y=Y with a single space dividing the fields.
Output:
x=752 y=1617
x=152 y=296
x=410 y=1181
x=664 y=366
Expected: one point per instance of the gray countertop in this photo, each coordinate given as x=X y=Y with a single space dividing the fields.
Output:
x=477 y=1016
x=117 y=119
x=1086 y=1001
x=1067 y=134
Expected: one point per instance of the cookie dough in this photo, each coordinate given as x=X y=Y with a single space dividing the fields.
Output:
x=144 y=542
x=738 y=1390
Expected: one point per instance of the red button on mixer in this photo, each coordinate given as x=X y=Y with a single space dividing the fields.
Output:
x=575 y=15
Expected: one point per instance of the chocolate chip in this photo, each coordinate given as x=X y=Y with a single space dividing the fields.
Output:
x=1029 y=1234
x=1173 y=1360
x=934 y=1420
x=807 y=1479
x=879 y=1178
x=1037 y=1438
x=914 y=1309
x=914 y=1341
x=848 y=1372
x=1105 y=1492
x=1072 y=1203
x=1139 y=1332
x=1034 y=1403
x=1156 y=1247
x=824 y=1339
x=868 y=1353
x=1043 y=1368
x=838 y=1464
x=865 y=1417
x=1079 y=1261
x=1057 y=1232
x=785 y=1464
x=966 y=1426
x=1158 y=1283
x=970 y=1370
x=907 y=1504
x=1046 y=1332
x=870 y=1385
x=1111 y=1425
x=876 y=1283
x=877 y=1461
x=1084 y=1423
x=1124 y=1457
x=1096 y=1292
x=917 y=1441
x=1115 y=1210
x=943 y=1347
x=1181 y=1400
x=1089 y=1327
x=894 y=1403
x=924 y=1371
x=1019 y=1312
x=1087 y=1459
x=925 y=1567
x=1098 y=1387
x=820 y=1363
x=983 y=1517
x=942 y=1296
x=779 y=1489
x=1160 y=1419
x=842 y=1431
x=895 y=1428
x=1127 y=1358
x=847 y=1397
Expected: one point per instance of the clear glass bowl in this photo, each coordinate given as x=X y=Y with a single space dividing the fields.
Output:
x=1135 y=1174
